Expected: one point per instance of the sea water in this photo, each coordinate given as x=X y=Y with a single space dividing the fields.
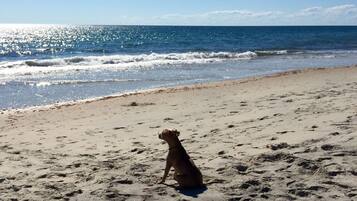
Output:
x=45 y=64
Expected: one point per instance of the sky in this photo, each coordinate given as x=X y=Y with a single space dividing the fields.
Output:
x=180 y=12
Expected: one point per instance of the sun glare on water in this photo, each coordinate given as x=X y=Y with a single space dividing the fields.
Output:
x=29 y=39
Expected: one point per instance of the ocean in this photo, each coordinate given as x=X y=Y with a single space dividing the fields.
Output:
x=45 y=64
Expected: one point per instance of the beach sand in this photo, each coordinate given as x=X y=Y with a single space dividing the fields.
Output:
x=288 y=136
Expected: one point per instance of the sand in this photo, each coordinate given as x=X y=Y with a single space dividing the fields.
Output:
x=288 y=136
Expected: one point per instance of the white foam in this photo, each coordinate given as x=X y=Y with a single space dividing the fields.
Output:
x=65 y=82
x=43 y=84
x=272 y=52
x=117 y=62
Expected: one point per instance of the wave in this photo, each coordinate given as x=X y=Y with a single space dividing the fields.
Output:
x=271 y=52
x=65 y=82
x=45 y=63
x=142 y=61
x=77 y=82
x=122 y=59
x=118 y=62
x=46 y=83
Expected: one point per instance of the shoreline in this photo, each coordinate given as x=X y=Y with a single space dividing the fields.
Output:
x=286 y=136
x=170 y=89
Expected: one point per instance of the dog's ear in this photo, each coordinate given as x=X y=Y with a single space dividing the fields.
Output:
x=177 y=132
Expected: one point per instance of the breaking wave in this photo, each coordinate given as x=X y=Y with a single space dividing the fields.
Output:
x=119 y=62
x=271 y=52
x=71 y=82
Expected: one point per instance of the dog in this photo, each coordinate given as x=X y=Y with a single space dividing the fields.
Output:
x=186 y=172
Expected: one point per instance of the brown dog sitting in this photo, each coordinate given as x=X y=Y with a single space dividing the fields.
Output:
x=186 y=172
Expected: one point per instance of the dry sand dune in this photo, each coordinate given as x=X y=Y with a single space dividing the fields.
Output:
x=290 y=136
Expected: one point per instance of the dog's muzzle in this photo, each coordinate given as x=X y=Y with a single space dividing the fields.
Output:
x=160 y=137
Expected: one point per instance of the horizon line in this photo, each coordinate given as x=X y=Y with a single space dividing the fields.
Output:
x=181 y=25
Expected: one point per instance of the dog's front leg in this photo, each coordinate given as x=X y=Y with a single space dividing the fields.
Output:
x=167 y=170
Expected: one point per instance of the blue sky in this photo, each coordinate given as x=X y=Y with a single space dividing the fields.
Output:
x=180 y=12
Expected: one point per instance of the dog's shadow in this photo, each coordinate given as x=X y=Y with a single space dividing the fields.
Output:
x=191 y=192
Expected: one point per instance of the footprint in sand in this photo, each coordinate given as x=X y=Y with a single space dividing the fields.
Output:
x=168 y=119
x=60 y=138
x=154 y=126
x=284 y=132
x=119 y=128
x=275 y=147
x=328 y=147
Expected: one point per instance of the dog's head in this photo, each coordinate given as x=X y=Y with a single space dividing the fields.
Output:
x=168 y=134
